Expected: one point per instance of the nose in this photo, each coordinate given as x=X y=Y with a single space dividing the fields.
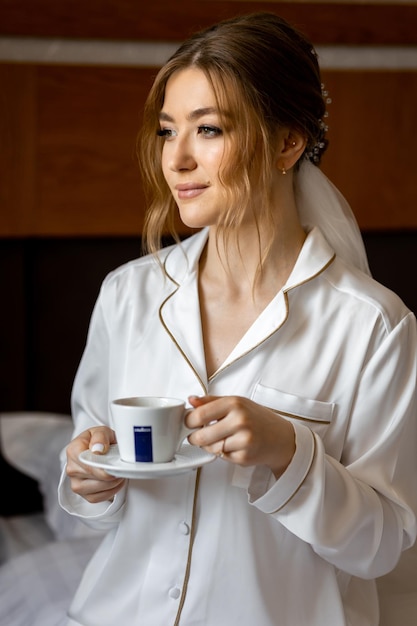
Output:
x=181 y=156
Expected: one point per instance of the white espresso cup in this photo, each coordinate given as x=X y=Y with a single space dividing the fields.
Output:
x=149 y=429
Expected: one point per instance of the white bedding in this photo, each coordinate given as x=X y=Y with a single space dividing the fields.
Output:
x=36 y=587
x=42 y=555
x=21 y=533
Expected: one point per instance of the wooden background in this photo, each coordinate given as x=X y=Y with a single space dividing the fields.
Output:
x=355 y=21
x=67 y=157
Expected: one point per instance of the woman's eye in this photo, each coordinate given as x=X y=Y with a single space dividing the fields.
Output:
x=165 y=132
x=210 y=131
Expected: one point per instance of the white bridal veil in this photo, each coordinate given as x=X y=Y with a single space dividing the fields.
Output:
x=321 y=204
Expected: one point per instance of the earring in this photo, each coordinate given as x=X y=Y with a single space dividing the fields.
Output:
x=283 y=171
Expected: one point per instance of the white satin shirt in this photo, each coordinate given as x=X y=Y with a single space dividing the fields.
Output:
x=335 y=353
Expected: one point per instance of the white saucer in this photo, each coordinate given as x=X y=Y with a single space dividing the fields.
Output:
x=188 y=458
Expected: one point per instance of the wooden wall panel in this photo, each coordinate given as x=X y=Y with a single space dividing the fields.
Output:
x=371 y=156
x=68 y=163
x=334 y=22
x=18 y=131
x=89 y=181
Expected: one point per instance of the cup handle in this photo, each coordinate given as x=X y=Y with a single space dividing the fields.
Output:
x=185 y=431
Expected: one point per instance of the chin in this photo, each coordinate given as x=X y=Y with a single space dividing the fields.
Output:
x=194 y=221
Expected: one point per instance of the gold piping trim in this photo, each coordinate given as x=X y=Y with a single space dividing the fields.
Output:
x=323 y=269
x=282 y=323
x=257 y=345
x=190 y=550
x=178 y=345
x=299 y=417
x=161 y=319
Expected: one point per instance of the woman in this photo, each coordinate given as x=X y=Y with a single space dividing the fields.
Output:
x=300 y=368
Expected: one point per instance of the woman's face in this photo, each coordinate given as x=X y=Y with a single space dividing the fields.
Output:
x=194 y=147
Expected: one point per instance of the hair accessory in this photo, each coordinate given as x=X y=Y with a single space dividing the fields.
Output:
x=315 y=152
x=325 y=94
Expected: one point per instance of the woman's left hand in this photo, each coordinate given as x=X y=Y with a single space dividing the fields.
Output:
x=241 y=431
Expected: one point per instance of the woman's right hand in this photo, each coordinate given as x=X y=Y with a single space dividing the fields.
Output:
x=92 y=483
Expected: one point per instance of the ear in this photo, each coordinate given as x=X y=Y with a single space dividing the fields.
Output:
x=291 y=146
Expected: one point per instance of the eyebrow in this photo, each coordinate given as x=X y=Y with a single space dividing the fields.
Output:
x=194 y=115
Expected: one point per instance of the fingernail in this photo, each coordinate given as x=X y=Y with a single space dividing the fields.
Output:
x=97 y=447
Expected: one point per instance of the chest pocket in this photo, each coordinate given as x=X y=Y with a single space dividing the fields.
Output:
x=315 y=414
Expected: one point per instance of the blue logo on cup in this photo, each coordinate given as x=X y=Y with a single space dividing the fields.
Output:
x=143 y=443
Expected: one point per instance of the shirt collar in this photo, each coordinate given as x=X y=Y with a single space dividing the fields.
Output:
x=181 y=261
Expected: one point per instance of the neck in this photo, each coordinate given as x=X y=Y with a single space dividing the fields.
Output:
x=245 y=265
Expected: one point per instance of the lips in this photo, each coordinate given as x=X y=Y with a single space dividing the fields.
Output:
x=190 y=190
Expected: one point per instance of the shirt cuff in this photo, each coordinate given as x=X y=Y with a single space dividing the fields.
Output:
x=75 y=504
x=270 y=495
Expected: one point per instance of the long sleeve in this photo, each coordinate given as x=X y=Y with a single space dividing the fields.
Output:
x=359 y=513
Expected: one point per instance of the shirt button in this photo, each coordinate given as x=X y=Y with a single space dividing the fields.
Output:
x=184 y=528
x=174 y=593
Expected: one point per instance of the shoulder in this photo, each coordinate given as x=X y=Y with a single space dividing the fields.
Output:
x=137 y=270
x=153 y=275
x=134 y=284
x=362 y=294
